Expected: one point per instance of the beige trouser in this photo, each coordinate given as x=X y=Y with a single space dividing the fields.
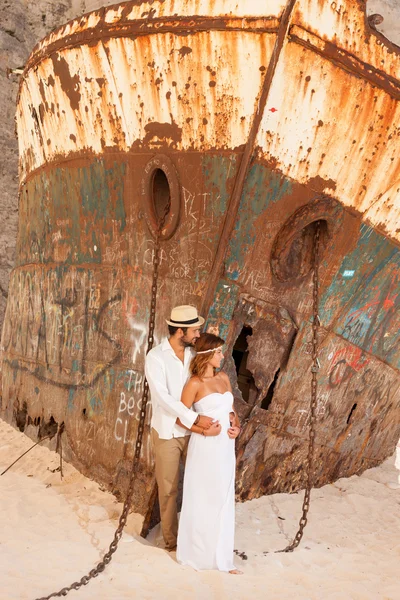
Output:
x=168 y=455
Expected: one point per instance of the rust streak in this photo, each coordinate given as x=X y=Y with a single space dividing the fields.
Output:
x=345 y=60
x=141 y=27
x=70 y=85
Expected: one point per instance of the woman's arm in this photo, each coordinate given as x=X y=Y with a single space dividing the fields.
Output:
x=234 y=429
x=235 y=422
x=189 y=392
x=235 y=419
x=215 y=429
x=226 y=381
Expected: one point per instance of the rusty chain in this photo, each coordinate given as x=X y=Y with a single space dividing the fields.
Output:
x=59 y=446
x=60 y=431
x=48 y=437
x=313 y=403
x=99 y=568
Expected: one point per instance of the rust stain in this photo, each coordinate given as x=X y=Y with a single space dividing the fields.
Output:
x=184 y=51
x=162 y=131
x=69 y=84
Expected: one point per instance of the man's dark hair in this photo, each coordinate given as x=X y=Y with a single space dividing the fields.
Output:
x=172 y=330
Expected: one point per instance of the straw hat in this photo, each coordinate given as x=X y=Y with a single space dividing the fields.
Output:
x=185 y=316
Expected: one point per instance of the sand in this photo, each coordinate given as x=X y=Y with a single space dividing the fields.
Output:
x=53 y=532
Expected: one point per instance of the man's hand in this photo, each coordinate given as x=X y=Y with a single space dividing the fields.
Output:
x=233 y=432
x=215 y=429
x=205 y=422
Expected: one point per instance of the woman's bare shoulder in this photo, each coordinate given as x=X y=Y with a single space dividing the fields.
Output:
x=193 y=383
x=190 y=391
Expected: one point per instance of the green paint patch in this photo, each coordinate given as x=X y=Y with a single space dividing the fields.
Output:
x=362 y=304
x=262 y=187
x=63 y=211
x=219 y=173
x=120 y=214
x=96 y=405
x=71 y=395
x=221 y=311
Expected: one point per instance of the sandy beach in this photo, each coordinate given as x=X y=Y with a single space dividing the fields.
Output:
x=53 y=532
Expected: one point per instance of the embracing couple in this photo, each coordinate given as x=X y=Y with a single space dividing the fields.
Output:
x=193 y=418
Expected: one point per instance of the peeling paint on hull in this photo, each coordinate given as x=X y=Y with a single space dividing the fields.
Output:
x=102 y=101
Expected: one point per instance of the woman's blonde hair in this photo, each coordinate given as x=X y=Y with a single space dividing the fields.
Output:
x=207 y=341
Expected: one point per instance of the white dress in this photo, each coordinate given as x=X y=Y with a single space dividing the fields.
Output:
x=207 y=522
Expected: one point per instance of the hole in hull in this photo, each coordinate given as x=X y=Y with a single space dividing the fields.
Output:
x=353 y=408
x=245 y=379
x=265 y=404
x=49 y=428
x=21 y=416
x=292 y=255
x=160 y=193
x=159 y=186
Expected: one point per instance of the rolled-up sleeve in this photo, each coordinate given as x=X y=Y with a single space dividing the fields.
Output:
x=155 y=375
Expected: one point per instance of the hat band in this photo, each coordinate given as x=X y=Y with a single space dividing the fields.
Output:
x=190 y=322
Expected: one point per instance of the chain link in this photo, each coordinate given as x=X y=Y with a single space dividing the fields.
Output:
x=99 y=568
x=59 y=446
x=313 y=403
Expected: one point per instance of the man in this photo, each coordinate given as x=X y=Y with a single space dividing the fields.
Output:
x=167 y=370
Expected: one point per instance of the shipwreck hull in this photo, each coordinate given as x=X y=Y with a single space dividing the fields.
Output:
x=132 y=103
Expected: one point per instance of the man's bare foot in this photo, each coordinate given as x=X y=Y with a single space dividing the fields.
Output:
x=236 y=572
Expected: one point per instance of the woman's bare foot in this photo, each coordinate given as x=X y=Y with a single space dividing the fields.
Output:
x=236 y=572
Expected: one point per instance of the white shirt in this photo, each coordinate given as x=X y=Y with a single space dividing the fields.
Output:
x=167 y=375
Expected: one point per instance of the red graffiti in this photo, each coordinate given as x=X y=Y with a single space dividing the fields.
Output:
x=354 y=357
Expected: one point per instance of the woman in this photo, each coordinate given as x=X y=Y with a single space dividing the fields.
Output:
x=207 y=522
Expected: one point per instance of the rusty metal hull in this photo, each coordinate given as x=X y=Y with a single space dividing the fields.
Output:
x=264 y=124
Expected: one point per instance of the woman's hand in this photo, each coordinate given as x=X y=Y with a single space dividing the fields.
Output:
x=233 y=432
x=212 y=431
